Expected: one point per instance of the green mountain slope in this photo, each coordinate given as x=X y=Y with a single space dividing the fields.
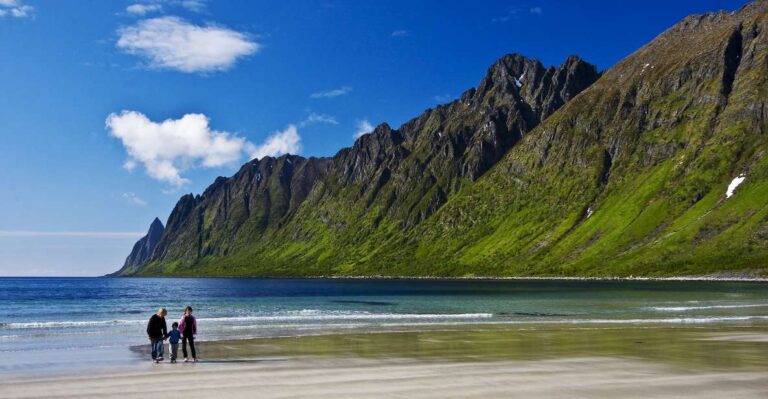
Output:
x=631 y=177
x=523 y=176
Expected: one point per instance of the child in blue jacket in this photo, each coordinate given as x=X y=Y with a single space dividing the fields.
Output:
x=173 y=339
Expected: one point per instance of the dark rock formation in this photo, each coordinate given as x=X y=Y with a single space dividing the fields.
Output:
x=143 y=249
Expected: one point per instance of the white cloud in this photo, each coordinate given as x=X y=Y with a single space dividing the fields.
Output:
x=399 y=33
x=363 y=127
x=134 y=199
x=287 y=141
x=443 y=98
x=173 y=43
x=169 y=147
x=142 y=9
x=341 y=91
x=91 y=234
x=536 y=10
x=318 y=118
x=21 y=12
x=15 y=8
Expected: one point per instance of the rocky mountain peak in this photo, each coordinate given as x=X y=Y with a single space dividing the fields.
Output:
x=156 y=228
x=143 y=249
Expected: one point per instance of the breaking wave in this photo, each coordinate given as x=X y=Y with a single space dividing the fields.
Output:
x=687 y=308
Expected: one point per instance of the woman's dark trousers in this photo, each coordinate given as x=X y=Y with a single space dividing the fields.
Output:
x=191 y=340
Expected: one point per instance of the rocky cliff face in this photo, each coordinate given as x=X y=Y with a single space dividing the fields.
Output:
x=536 y=171
x=143 y=249
x=402 y=176
x=235 y=211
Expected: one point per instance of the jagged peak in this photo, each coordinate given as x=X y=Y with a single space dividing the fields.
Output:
x=186 y=198
x=271 y=158
x=513 y=59
x=382 y=128
x=218 y=183
x=509 y=66
x=518 y=63
x=513 y=71
x=381 y=133
x=574 y=60
x=156 y=223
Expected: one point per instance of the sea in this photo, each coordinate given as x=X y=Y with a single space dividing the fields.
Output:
x=52 y=323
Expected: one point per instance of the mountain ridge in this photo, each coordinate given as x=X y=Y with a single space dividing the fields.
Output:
x=378 y=159
x=536 y=171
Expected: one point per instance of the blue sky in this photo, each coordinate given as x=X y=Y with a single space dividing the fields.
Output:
x=87 y=162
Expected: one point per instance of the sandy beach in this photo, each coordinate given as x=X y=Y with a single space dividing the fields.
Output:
x=337 y=378
x=464 y=363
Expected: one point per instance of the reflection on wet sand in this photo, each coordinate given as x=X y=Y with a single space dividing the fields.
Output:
x=692 y=347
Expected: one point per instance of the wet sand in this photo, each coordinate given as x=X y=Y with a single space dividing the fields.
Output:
x=466 y=362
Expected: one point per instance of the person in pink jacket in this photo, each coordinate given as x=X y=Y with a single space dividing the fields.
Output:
x=188 y=328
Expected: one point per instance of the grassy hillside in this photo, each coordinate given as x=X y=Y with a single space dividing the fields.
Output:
x=627 y=178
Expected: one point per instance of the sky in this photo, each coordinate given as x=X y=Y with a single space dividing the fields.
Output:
x=111 y=110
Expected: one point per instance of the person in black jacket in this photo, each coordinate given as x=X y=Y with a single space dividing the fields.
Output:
x=157 y=331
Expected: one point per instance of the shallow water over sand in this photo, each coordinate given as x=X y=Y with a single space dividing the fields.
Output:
x=59 y=323
x=713 y=347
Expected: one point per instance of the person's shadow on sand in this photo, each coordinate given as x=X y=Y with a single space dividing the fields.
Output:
x=141 y=351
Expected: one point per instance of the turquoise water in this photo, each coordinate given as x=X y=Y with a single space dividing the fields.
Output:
x=53 y=321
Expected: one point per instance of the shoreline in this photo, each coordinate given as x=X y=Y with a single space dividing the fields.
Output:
x=466 y=362
x=465 y=278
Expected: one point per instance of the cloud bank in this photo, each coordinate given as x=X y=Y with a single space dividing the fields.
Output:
x=173 y=43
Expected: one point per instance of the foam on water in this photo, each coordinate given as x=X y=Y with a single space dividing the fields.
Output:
x=300 y=316
x=352 y=316
x=670 y=320
x=687 y=308
x=62 y=324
